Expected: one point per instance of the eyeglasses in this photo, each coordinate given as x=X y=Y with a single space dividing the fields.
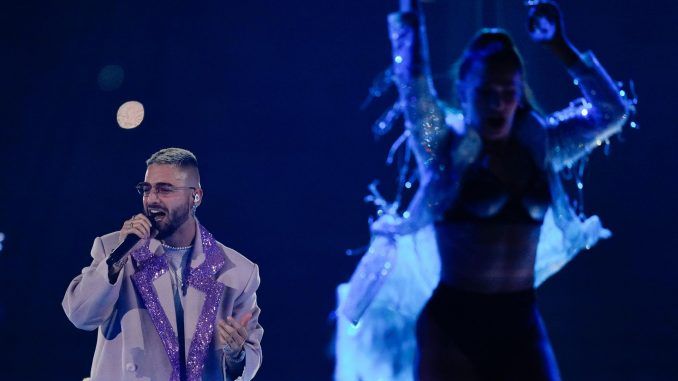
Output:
x=161 y=189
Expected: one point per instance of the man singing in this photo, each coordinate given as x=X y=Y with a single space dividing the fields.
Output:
x=177 y=305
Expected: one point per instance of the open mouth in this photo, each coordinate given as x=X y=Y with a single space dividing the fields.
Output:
x=156 y=214
x=495 y=122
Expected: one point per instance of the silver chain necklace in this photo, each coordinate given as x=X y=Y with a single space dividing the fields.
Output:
x=166 y=246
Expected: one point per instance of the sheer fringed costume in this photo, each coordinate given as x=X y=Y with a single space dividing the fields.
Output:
x=378 y=307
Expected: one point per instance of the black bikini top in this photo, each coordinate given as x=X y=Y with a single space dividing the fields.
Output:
x=485 y=198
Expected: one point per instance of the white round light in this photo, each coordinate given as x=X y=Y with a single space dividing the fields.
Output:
x=130 y=115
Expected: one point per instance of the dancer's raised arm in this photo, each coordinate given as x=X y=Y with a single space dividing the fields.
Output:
x=429 y=136
x=583 y=125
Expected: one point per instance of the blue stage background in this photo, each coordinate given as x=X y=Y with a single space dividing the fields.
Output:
x=267 y=94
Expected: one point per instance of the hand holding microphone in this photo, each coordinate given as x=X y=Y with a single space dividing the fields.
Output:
x=138 y=225
x=136 y=228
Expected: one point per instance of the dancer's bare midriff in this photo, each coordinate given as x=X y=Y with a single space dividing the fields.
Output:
x=488 y=258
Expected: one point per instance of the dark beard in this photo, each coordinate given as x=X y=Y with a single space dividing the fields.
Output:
x=175 y=221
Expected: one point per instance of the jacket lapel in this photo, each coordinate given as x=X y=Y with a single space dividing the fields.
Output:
x=202 y=301
x=150 y=278
x=203 y=296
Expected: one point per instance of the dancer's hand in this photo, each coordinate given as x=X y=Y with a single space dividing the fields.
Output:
x=409 y=5
x=412 y=5
x=545 y=25
x=545 y=22
x=232 y=334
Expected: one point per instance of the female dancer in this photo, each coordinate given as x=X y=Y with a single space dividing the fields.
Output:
x=491 y=198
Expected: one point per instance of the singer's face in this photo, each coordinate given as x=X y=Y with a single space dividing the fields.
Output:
x=169 y=211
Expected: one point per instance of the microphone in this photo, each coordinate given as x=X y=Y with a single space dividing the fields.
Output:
x=127 y=244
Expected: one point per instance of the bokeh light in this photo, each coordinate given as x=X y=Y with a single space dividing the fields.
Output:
x=130 y=115
x=110 y=77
